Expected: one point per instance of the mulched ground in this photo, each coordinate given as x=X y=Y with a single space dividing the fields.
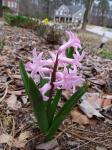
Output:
x=19 y=123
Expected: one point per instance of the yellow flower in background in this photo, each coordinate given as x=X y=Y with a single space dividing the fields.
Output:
x=45 y=21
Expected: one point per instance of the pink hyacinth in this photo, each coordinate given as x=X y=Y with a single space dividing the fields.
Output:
x=44 y=90
x=64 y=61
x=72 y=42
x=66 y=78
x=38 y=66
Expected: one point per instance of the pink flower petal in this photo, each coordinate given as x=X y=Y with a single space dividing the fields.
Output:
x=45 y=89
x=72 y=42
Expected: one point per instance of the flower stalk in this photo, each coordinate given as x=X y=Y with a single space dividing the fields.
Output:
x=53 y=78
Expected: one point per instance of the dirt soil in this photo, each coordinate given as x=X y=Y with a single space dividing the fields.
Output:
x=18 y=128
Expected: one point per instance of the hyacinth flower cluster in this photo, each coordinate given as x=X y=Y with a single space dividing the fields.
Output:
x=45 y=79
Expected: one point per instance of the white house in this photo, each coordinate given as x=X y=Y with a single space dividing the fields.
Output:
x=69 y=13
x=13 y=4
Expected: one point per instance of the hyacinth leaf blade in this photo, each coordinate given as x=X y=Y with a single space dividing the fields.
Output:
x=42 y=82
x=70 y=52
x=38 y=106
x=54 y=104
x=24 y=75
x=35 y=98
x=65 y=110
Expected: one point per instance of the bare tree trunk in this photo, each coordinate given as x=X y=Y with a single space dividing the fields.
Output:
x=26 y=8
x=85 y=19
x=48 y=8
x=88 y=5
x=1 y=12
x=102 y=18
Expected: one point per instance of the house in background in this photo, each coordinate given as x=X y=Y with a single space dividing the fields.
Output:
x=69 y=13
x=24 y=7
x=75 y=13
x=12 y=4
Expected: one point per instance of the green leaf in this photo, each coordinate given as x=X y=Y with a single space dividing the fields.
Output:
x=54 y=105
x=35 y=98
x=70 y=52
x=38 y=106
x=24 y=75
x=65 y=110
x=42 y=82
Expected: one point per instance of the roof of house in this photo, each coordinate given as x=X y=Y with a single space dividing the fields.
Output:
x=74 y=8
x=10 y=0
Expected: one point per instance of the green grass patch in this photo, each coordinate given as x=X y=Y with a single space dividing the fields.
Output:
x=2 y=44
x=106 y=54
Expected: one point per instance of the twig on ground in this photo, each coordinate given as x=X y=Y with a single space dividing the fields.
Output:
x=6 y=91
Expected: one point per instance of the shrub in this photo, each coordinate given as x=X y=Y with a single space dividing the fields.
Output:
x=20 y=21
x=41 y=29
x=53 y=36
x=49 y=33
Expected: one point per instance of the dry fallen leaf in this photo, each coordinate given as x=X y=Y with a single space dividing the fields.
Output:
x=21 y=140
x=13 y=103
x=101 y=148
x=19 y=144
x=6 y=139
x=16 y=76
x=78 y=117
x=24 y=99
x=24 y=135
x=107 y=97
x=94 y=99
x=89 y=109
x=67 y=94
x=106 y=103
x=49 y=145
x=16 y=92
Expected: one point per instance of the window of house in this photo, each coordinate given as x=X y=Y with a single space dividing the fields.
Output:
x=12 y=4
x=57 y=12
x=9 y=4
x=80 y=14
x=61 y=12
x=35 y=1
x=15 y=5
x=70 y=19
x=65 y=12
x=3 y=3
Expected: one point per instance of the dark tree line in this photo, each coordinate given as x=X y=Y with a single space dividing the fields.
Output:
x=102 y=9
x=0 y=8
